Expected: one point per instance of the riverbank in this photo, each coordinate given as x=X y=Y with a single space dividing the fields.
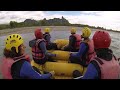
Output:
x=31 y=29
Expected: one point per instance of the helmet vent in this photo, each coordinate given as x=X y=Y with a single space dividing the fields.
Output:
x=17 y=36
x=10 y=36
x=6 y=42
x=13 y=35
x=7 y=38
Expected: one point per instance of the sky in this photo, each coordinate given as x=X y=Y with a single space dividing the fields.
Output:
x=106 y=19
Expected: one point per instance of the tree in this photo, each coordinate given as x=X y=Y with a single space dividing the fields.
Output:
x=43 y=22
x=13 y=24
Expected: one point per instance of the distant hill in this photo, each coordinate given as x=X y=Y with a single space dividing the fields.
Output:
x=50 y=22
x=54 y=21
x=30 y=21
x=57 y=21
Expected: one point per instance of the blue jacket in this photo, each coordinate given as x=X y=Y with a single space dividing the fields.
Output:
x=27 y=71
x=81 y=52
x=44 y=50
x=22 y=69
x=91 y=72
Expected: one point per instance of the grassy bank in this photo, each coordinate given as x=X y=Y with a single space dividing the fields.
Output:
x=31 y=29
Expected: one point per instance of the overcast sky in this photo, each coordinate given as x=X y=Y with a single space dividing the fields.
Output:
x=106 y=19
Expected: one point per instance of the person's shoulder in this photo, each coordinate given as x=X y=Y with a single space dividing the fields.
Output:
x=26 y=63
x=72 y=36
x=18 y=64
x=41 y=40
x=42 y=43
x=83 y=43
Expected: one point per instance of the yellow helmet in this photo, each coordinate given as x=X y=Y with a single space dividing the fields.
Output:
x=73 y=30
x=86 y=32
x=47 y=30
x=13 y=40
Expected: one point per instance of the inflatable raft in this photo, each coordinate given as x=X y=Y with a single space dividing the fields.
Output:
x=63 y=69
x=61 y=43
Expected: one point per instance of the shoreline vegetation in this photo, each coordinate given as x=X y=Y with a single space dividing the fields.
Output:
x=23 y=30
x=31 y=24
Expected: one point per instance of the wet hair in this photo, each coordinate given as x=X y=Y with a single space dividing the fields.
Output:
x=104 y=53
x=85 y=38
x=12 y=53
x=46 y=32
x=73 y=33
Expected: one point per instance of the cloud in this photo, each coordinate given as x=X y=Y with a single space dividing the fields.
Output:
x=2 y=17
x=20 y=15
x=97 y=13
x=107 y=19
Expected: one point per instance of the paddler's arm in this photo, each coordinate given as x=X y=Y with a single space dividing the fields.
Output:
x=48 y=38
x=91 y=72
x=44 y=50
x=28 y=71
x=82 y=49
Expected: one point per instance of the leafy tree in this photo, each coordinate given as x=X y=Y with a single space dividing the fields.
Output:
x=13 y=24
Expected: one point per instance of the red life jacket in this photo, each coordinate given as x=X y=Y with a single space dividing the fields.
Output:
x=36 y=51
x=91 y=53
x=78 y=40
x=44 y=35
x=7 y=64
x=109 y=69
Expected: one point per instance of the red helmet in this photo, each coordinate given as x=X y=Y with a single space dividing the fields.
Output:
x=101 y=39
x=38 y=34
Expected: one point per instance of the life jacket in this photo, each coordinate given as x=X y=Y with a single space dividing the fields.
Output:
x=108 y=69
x=44 y=36
x=7 y=64
x=37 y=54
x=90 y=53
x=78 y=40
